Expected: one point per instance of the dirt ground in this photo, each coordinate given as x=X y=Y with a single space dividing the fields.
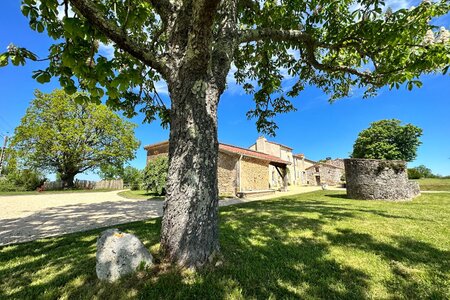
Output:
x=30 y=217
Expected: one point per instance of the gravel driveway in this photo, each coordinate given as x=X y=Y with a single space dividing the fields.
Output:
x=30 y=217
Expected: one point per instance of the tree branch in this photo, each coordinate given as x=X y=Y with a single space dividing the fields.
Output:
x=113 y=32
x=310 y=44
x=312 y=60
x=163 y=7
x=251 y=35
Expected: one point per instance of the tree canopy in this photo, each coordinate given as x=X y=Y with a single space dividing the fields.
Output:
x=388 y=139
x=59 y=135
x=334 y=45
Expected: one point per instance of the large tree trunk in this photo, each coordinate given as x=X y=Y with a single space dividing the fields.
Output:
x=198 y=67
x=189 y=234
x=67 y=180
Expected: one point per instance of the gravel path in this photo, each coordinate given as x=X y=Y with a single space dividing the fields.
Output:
x=30 y=217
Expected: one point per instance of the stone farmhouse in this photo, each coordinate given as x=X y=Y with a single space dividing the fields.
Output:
x=263 y=168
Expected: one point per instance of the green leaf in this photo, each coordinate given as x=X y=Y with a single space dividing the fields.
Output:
x=40 y=27
x=42 y=76
x=4 y=59
x=81 y=99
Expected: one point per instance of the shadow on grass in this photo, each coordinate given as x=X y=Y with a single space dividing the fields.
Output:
x=272 y=249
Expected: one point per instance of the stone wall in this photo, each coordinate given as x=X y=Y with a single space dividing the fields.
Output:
x=379 y=179
x=226 y=171
x=254 y=174
x=227 y=174
x=327 y=175
x=338 y=162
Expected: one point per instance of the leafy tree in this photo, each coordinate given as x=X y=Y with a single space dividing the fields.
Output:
x=414 y=174
x=110 y=171
x=424 y=171
x=192 y=45
x=132 y=175
x=155 y=175
x=388 y=139
x=59 y=135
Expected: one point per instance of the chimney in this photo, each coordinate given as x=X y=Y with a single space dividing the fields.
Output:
x=261 y=144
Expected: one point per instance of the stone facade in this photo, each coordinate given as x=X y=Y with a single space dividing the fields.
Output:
x=296 y=169
x=373 y=179
x=227 y=174
x=238 y=169
x=338 y=162
x=322 y=173
x=254 y=174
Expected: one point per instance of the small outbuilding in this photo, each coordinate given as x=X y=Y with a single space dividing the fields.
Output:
x=323 y=173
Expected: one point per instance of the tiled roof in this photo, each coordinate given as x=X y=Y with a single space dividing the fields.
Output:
x=251 y=153
x=236 y=150
x=324 y=164
x=299 y=155
x=156 y=145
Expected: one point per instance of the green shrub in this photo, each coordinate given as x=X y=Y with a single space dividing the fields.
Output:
x=8 y=186
x=414 y=174
x=28 y=180
x=135 y=186
x=155 y=175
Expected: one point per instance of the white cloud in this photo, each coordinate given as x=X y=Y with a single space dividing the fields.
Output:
x=61 y=11
x=161 y=87
x=107 y=50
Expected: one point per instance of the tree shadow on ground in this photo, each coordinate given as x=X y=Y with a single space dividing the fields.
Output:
x=409 y=260
x=265 y=256
x=74 y=218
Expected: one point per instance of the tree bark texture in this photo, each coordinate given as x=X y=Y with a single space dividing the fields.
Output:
x=189 y=234
x=199 y=64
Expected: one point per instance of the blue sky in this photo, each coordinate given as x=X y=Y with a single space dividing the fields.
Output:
x=317 y=129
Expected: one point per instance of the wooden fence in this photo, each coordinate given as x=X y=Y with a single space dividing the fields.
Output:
x=86 y=185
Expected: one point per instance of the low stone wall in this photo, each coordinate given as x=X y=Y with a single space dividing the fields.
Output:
x=373 y=179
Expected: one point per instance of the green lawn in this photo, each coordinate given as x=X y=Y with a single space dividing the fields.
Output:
x=434 y=184
x=53 y=192
x=141 y=195
x=316 y=245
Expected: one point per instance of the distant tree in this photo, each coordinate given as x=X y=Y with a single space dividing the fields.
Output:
x=414 y=174
x=388 y=139
x=424 y=171
x=155 y=175
x=59 y=135
x=111 y=171
x=132 y=175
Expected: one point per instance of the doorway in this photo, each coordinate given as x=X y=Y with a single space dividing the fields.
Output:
x=318 y=180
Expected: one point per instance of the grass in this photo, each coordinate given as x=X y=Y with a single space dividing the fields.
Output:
x=434 y=184
x=140 y=195
x=53 y=192
x=315 y=245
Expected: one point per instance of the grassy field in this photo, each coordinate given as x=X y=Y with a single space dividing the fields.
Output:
x=53 y=192
x=316 y=245
x=434 y=184
x=140 y=195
